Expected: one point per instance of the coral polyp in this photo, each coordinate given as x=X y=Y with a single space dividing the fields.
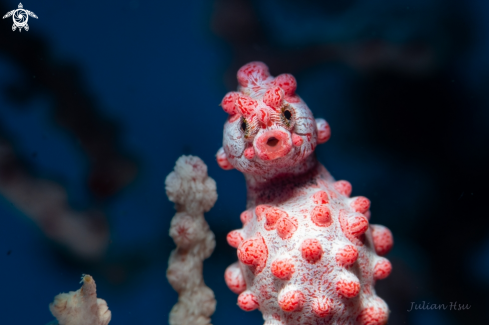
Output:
x=307 y=253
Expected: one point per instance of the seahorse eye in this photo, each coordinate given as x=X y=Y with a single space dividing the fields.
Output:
x=287 y=114
x=243 y=125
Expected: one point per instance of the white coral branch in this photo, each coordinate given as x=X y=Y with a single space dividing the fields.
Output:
x=193 y=193
x=81 y=307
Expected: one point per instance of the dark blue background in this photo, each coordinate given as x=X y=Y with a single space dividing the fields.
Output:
x=411 y=137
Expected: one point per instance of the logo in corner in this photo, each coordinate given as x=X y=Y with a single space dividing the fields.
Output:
x=20 y=17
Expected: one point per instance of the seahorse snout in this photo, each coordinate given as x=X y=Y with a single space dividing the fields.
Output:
x=273 y=144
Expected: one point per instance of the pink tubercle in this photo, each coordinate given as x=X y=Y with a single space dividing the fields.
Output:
x=291 y=301
x=321 y=216
x=288 y=83
x=320 y=197
x=343 y=187
x=246 y=105
x=274 y=98
x=324 y=131
x=382 y=269
x=249 y=153
x=286 y=227
x=247 y=301
x=234 y=238
x=358 y=225
x=260 y=211
x=360 y=204
x=346 y=255
x=254 y=253
x=272 y=215
x=222 y=160
x=348 y=288
x=312 y=251
x=228 y=102
x=246 y=217
x=264 y=117
x=382 y=238
x=252 y=70
x=372 y=316
x=297 y=140
x=234 y=279
x=283 y=268
x=353 y=226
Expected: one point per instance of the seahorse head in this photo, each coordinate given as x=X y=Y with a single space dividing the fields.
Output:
x=269 y=125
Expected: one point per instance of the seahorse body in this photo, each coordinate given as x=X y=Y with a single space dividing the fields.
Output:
x=307 y=254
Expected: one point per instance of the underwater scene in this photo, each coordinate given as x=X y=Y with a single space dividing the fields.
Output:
x=244 y=161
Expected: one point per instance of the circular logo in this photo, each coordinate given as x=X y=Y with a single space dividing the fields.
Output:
x=20 y=17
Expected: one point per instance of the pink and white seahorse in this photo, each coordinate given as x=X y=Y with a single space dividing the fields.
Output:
x=307 y=254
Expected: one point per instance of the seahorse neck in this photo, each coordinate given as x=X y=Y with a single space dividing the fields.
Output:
x=277 y=187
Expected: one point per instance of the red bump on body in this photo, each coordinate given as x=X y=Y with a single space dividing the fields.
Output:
x=260 y=211
x=348 y=288
x=283 y=268
x=352 y=227
x=320 y=198
x=222 y=160
x=324 y=131
x=346 y=256
x=247 y=301
x=264 y=117
x=358 y=225
x=288 y=83
x=382 y=269
x=228 y=102
x=234 y=238
x=311 y=249
x=322 y=306
x=286 y=227
x=383 y=240
x=272 y=215
x=246 y=105
x=252 y=71
x=360 y=204
x=254 y=253
x=291 y=301
x=234 y=278
x=297 y=140
x=246 y=217
x=274 y=98
x=249 y=153
x=372 y=316
x=343 y=187
x=321 y=216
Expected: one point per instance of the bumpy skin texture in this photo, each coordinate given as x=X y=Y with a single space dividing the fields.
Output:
x=307 y=254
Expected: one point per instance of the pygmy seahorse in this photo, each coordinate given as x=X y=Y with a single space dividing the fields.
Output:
x=307 y=253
